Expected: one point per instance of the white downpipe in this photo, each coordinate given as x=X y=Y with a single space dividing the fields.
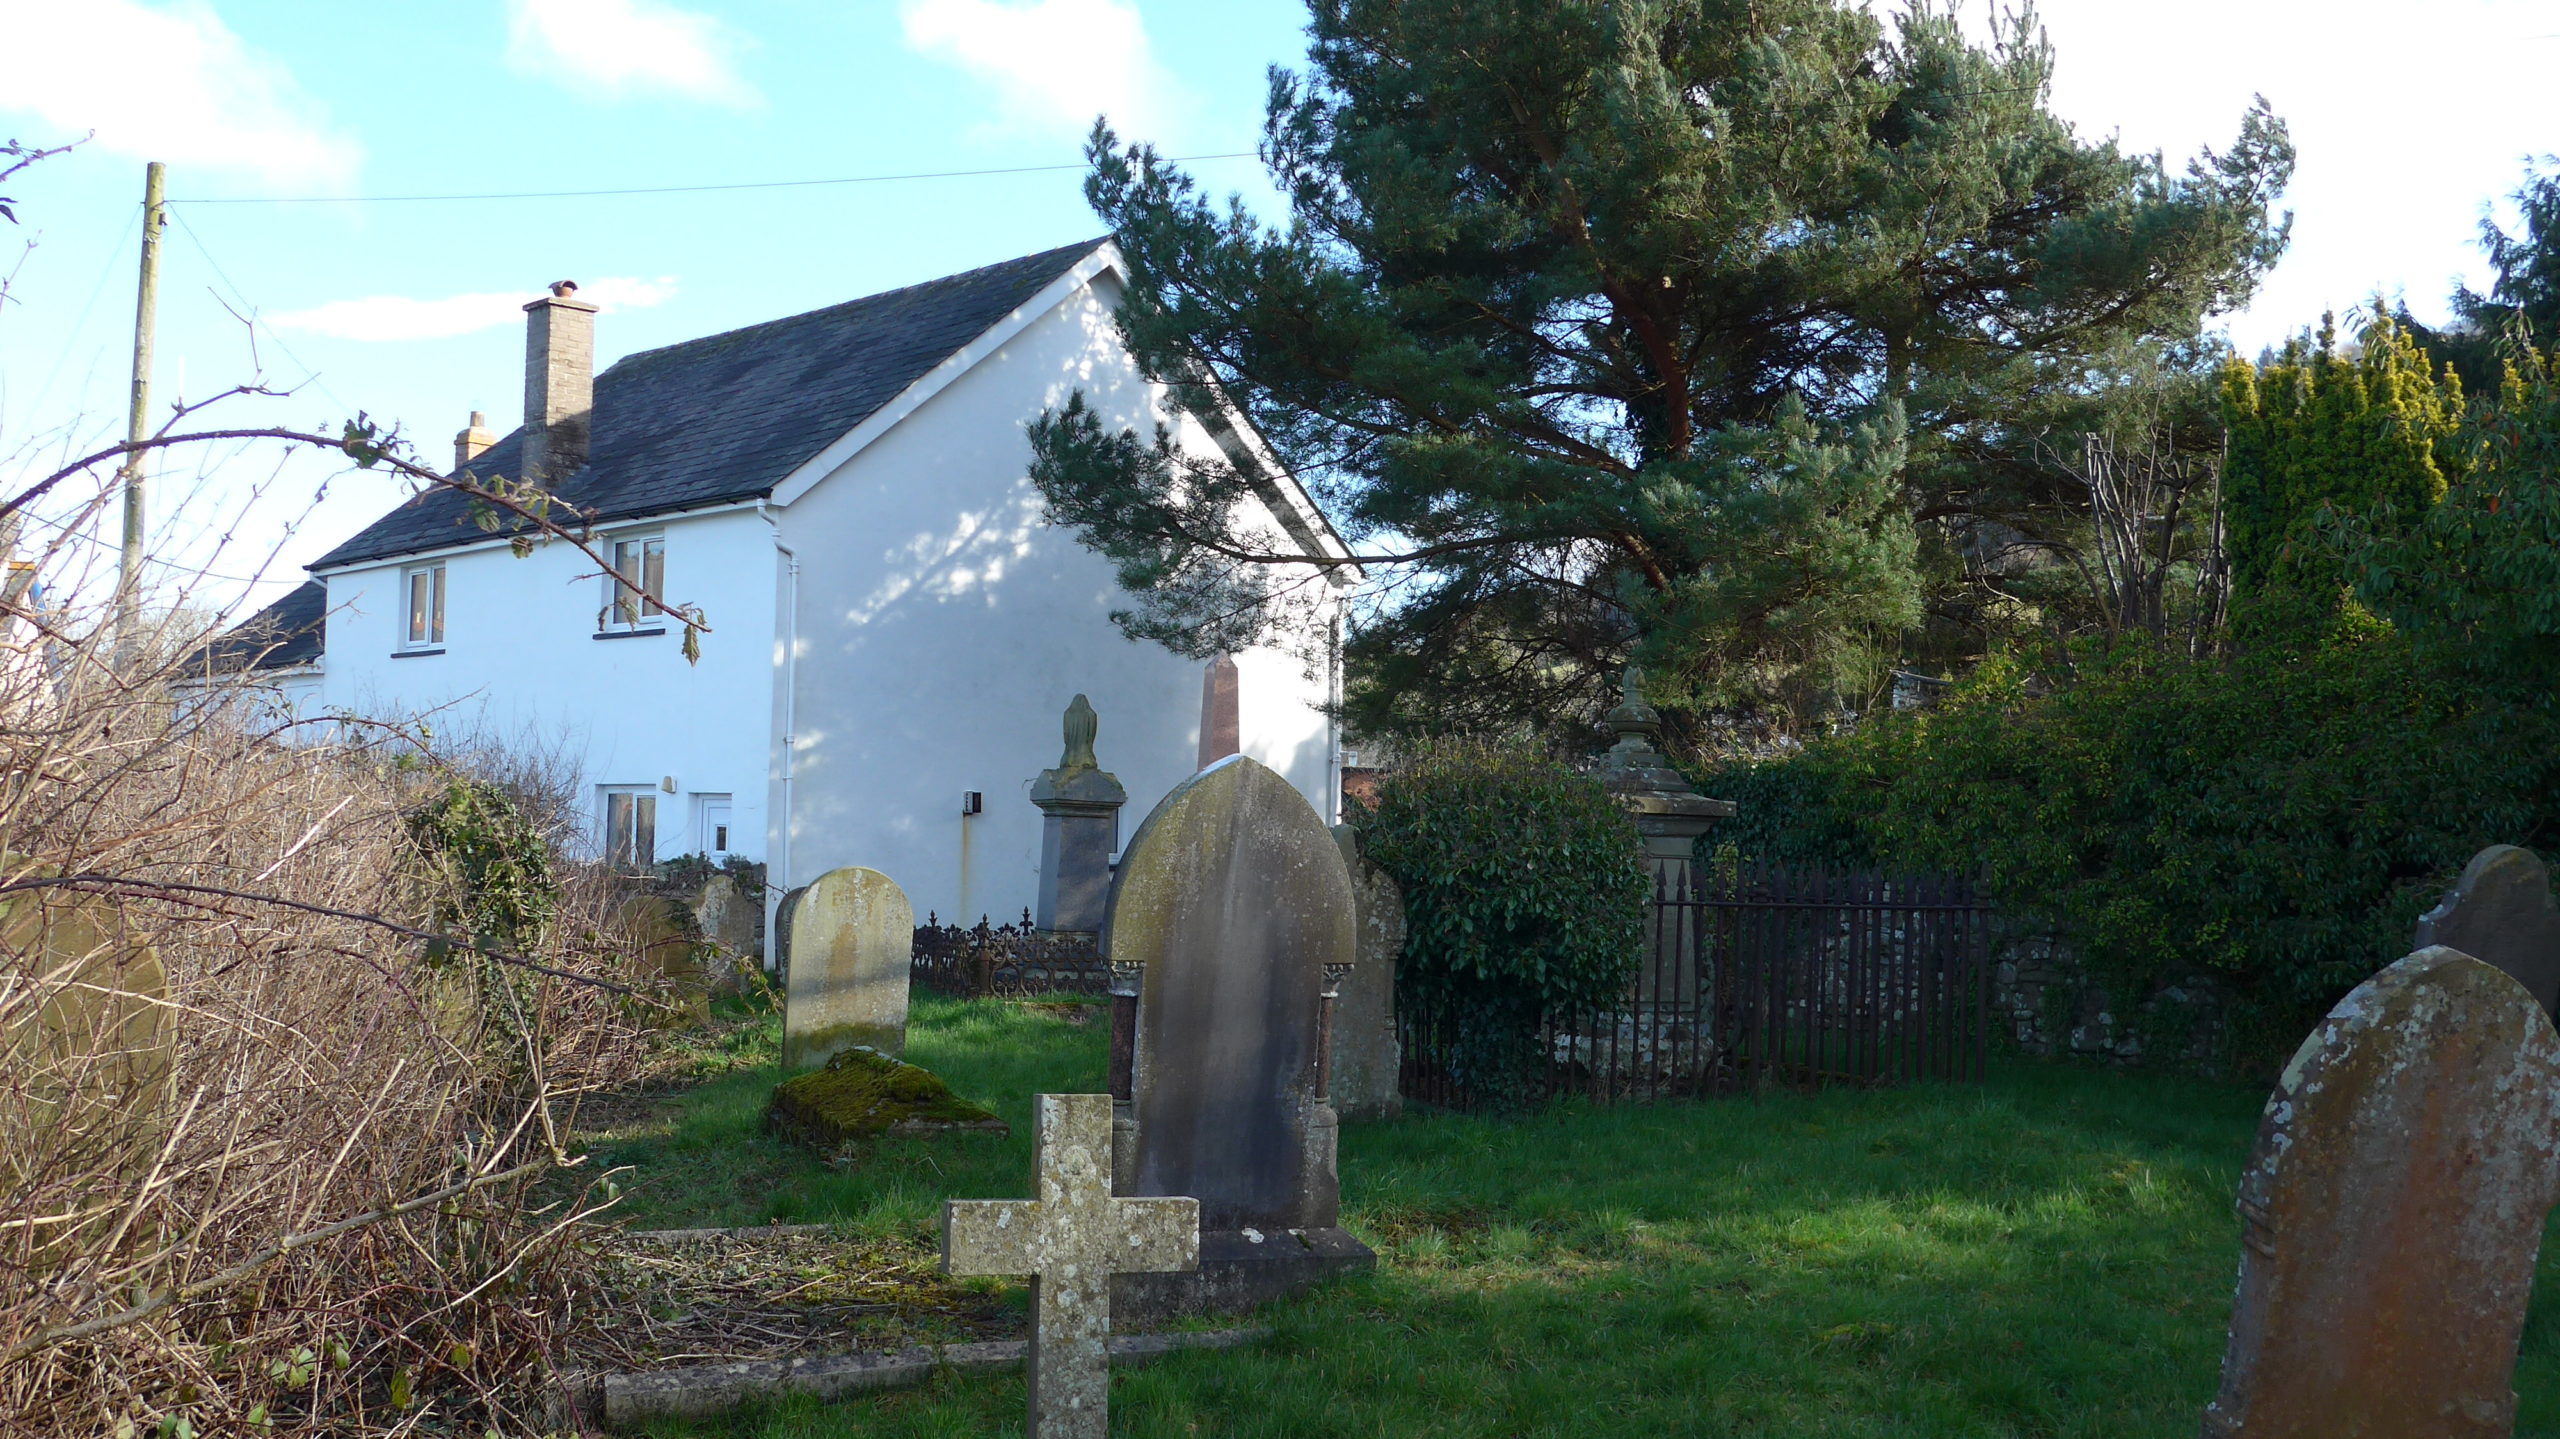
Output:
x=787 y=633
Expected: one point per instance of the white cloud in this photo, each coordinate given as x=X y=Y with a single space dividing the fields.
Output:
x=613 y=48
x=2379 y=202
x=401 y=317
x=167 y=82
x=1053 y=64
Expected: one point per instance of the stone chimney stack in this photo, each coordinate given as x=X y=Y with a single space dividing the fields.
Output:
x=559 y=383
x=474 y=439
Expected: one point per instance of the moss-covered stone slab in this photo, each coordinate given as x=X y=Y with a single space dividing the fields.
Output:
x=863 y=1094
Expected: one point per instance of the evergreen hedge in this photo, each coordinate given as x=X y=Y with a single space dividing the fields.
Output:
x=2277 y=820
x=1524 y=891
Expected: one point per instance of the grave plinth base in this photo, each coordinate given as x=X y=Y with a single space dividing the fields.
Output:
x=1238 y=1272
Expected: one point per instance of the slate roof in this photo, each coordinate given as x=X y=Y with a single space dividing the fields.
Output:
x=285 y=634
x=727 y=417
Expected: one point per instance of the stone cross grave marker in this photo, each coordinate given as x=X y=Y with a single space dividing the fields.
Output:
x=2501 y=914
x=2392 y=1211
x=851 y=940
x=1070 y=1241
x=1231 y=924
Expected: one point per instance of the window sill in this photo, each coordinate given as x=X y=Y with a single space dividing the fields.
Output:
x=416 y=654
x=629 y=634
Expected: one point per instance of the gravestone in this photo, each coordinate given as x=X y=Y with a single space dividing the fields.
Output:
x=852 y=937
x=1231 y=917
x=1367 y=1061
x=2501 y=914
x=1080 y=804
x=731 y=922
x=1221 y=711
x=91 y=1065
x=658 y=934
x=1071 y=1241
x=777 y=948
x=2392 y=1211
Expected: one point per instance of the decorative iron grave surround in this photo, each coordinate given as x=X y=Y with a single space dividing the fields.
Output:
x=1007 y=961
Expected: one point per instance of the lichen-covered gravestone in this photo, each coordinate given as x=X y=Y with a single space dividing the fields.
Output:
x=1366 y=1057
x=1230 y=915
x=89 y=1046
x=2392 y=1212
x=658 y=934
x=2501 y=914
x=731 y=923
x=1071 y=1241
x=852 y=946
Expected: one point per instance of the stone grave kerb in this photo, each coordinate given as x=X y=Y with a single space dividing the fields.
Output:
x=1071 y=1241
x=1232 y=927
x=2392 y=1210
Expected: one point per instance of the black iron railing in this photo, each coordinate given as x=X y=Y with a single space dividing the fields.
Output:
x=1752 y=975
x=1006 y=960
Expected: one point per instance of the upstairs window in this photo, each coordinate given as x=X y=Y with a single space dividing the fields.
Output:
x=639 y=577
x=630 y=827
x=424 y=585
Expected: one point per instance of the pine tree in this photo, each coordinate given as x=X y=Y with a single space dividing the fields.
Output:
x=1630 y=328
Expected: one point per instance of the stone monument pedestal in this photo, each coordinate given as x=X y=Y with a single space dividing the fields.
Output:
x=1671 y=816
x=1081 y=831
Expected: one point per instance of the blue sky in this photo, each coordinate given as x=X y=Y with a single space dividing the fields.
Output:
x=2411 y=119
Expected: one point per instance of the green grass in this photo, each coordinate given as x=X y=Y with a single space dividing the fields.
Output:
x=2049 y=1254
x=711 y=1165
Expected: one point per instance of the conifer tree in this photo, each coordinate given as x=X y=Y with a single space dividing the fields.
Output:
x=1629 y=328
x=2316 y=436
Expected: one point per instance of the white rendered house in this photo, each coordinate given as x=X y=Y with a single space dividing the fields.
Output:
x=893 y=629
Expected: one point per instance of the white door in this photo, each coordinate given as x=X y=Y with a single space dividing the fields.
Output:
x=715 y=826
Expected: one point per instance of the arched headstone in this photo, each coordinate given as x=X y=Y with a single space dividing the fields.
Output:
x=2393 y=1209
x=2501 y=914
x=1231 y=915
x=852 y=944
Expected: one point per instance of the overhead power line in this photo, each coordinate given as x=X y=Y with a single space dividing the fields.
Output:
x=667 y=189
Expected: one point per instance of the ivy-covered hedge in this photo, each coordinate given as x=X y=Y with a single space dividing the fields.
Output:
x=2276 y=820
x=491 y=872
x=1524 y=890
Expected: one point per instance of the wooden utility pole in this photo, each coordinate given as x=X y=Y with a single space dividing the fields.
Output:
x=155 y=214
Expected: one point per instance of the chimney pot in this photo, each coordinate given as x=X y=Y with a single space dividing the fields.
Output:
x=559 y=383
x=474 y=439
